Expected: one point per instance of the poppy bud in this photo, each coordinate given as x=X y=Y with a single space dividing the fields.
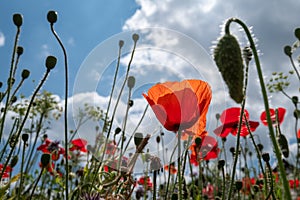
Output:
x=45 y=159
x=130 y=103
x=266 y=157
x=198 y=141
x=131 y=82
x=20 y=50
x=52 y=17
x=297 y=33
x=288 y=50
x=117 y=130
x=14 y=99
x=238 y=185
x=250 y=153
x=232 y=150
x=50 y=62
x=25 y=74
x=295 y=100
x=138 y=137
x=121 y=43
x=135 y=37
x=221 y=164
x=297 y=113
x=1 y=84
x=14 y=161
x=158 y=139
x=218 y=116
x=260 y=147
x=228 y=58
x=18 y=20
x=255 y=188
x=25 y=137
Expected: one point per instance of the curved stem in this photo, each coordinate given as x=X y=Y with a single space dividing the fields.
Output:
x=266 y=104
x=295 y=69
x=65 y=110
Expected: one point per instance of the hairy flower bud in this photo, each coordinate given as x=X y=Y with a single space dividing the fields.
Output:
x=228 y=58
x=18 y=19
x=50 y=62
x=25 y=74
x=20 y=50
x=52 y=16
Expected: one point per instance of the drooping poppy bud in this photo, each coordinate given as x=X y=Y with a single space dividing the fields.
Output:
x=14 y=161
x=288 y=50
x=228 y=58
x=52 y=17
x=20 y=50
x=297 y=33
x=51 y=62
x=18 y=19
x=25 y=74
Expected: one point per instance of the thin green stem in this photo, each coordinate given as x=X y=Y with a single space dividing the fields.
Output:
x=21 y=171
x=38 y=179
x=266 y=104
x=65 y=110
x=179 y=165
x=295 y=69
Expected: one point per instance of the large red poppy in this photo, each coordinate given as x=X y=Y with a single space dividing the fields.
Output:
x=79 y=145
x=230 y=120
x=53 y=148
x=280 y=113
x=181 y=105
x=207 y=149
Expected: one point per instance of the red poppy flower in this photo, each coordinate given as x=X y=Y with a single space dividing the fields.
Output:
x=206 y=150
x=79 y=145
x=53 y=148
x=298 y=134
x=145 y=181
x=111 y=148
x=171 y=168
x=7 y=171
x=294 y=183
x=230 y=120
x=180 y=105
x=280 y=112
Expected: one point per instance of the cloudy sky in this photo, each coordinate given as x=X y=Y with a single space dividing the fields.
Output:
x=175 y=43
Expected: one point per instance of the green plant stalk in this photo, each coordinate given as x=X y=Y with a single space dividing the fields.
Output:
x=2 y=121
x=3 y=150
x=295 y=69
x=266 y=104
x=271 y=186
x=179 y=165
x=223 y=184
x=65 y=110
x=154 y=184
x=25 y=118
x=38 y=179
x=21 y=176
x=169 y=174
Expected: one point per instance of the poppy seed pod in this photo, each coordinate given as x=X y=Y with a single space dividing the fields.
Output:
x=158 y=139
x=50 y=62
x=238 y=185
x=20 y=50
x=288 y=50
x=131 y=82
x=130 y=103
x=1 y=84
x=228 y=58
x=198 y=141
x=18 y=19
x=14 y=161
x=14 y=99
x=117 y=130
x=45 y=159
x=121 y=43
x=52 y=16
x=25 y=74
x=135 y=37
x=221 y=164
x=297 y=33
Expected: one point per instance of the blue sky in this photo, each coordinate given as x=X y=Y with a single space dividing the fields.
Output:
x=175 y=43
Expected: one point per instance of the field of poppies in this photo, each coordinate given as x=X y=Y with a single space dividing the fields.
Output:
x=200 y=166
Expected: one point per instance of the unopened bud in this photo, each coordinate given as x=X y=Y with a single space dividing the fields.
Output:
x=20 y=50
x=297 y=33
x=131 y=82
x=52 y=17
x=266 y=157
x=18 y=19
x=45 y=159
x=288 y=50
x=50 y=62
x=14 y=161
x=121 y=43
x=25 y=74
x=135 y=37
x=25 y=137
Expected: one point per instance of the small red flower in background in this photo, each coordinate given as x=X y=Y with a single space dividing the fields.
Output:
x=298 y=134
x=79 y=145
x=181 y=105
x=171 y=168
x=280 y=112
x=206 y=150
x=111 y=148
x=7 y=171
x=230 y=120
x=53 y=148
x=49 y=167
x=294 y=183
x=145 y=181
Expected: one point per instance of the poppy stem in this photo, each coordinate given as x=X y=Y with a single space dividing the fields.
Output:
x=287 y=193
x=179 y=165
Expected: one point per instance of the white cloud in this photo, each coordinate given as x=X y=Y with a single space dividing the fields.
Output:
x=2 y=39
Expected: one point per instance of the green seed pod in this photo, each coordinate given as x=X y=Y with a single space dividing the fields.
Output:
x=52 y=16
x=25 y=137
x=238 y=185
x=51 y=62
x=18 y=19
x=14 y=161
x=25 y=74
x=228 y=58
x=266 y=157
x=138 y=137
x=131 y=82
